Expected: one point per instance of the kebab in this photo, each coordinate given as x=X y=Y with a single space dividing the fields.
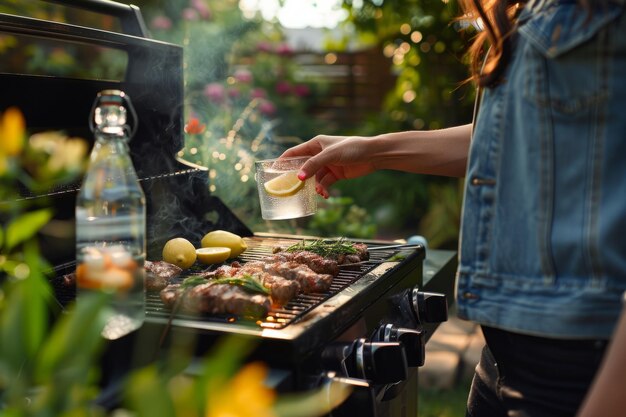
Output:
x=240 y=296
x=283 y=280
x=342 y=251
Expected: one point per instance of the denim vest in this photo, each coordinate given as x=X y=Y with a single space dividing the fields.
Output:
x=543 y=235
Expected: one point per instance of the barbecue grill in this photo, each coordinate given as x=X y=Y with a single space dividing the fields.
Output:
x=368 y=330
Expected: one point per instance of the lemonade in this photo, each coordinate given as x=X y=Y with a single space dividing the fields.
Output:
x=281 y=194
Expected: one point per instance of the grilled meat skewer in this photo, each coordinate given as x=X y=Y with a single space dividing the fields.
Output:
x=315 y=262
x=340 y=251
x=216 y=299
x=282 y=290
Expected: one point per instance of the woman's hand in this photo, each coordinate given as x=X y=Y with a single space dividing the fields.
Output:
x=334 y=158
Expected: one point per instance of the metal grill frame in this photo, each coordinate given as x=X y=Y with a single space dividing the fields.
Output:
x=317 y=324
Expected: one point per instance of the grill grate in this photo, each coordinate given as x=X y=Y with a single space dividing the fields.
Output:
x=278 y=317
x=258 y=248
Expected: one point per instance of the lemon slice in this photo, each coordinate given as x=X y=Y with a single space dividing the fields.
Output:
x=284 y=185
x=213 y=255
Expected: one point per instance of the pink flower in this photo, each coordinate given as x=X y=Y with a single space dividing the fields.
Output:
x=190 y=14
x=258 y=93
x=267 y=108
x=283 y=88
x=301 y=90
x=161 y=23
x=202 y=9
x=215 y=92
x=264 y=46
x=234 y=92
x=243 y=75
x=284 y=49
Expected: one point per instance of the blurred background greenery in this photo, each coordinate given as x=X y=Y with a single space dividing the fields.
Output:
x=252 y=90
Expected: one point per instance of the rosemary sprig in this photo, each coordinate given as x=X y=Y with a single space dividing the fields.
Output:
x=246 y=282
x=193 y=281
x=325 y=248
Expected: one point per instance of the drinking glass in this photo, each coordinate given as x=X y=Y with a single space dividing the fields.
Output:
x=299 y=202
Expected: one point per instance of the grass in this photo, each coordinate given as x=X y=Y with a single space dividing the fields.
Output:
x=444 y=402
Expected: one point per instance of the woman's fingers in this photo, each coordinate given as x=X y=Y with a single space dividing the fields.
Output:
x=310 y=147
x=325 y=177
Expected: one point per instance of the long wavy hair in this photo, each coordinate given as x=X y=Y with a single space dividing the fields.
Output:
x=496 y=20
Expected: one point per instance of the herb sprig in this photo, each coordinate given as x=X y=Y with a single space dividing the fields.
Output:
x=325 y=248
x=246 y=282
x=193 y=282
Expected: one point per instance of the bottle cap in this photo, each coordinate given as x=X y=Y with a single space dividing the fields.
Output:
x=109 y=113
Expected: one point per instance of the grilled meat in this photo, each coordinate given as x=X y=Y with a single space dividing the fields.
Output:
x=291 y=272
x=155 y=282
x=362 y=254
x=314 y=261
x=159 y=274
x=325 y=253
x=216 y=299
x=282 y=290
x=162 y=269
x=309 y=280
x=69 y=280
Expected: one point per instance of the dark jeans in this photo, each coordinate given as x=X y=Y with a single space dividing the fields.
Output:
x=528 y=376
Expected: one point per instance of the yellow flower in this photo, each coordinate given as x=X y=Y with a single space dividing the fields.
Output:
x=63 y=153
x=12 y=132
x=244 y=395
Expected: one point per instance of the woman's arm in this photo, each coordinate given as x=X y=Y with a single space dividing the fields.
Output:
x=607 y=396
x=333 y=158
x=435 y=152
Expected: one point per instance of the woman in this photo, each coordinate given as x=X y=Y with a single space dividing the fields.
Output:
x=542 y=262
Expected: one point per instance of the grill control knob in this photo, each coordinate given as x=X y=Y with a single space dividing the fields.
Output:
x=429 y=307
x=381 y=362
x=411 y=339
x=377 y=362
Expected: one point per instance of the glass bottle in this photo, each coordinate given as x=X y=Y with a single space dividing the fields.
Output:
x=111 y=219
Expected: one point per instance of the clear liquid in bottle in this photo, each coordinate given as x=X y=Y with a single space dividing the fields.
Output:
x=110 y=220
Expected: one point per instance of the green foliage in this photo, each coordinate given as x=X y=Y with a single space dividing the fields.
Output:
x=442 y=221
x=44 y=371
x=426 y=48
x=340 y=216
x=25 y=227
x=436 y=402
x=245 y=98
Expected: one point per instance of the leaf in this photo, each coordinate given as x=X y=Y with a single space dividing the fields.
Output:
x=146 y=393
x=13 y=352
x=25 y=227
x=76 y=338
x=222 y=362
